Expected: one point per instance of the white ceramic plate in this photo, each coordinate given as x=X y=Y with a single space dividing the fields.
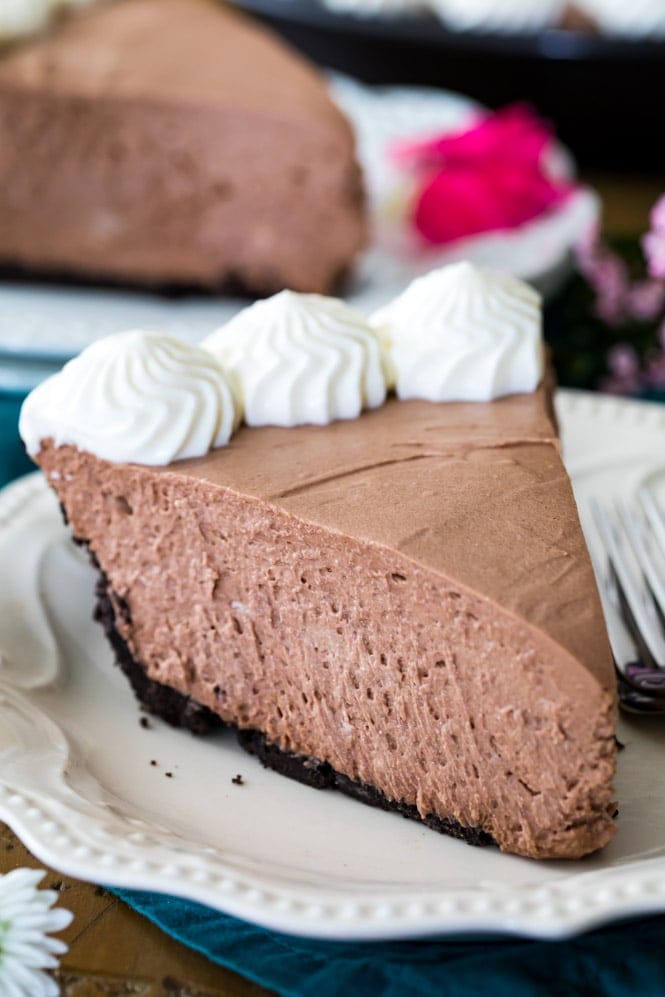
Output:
x=54 y=322
x=77 y=786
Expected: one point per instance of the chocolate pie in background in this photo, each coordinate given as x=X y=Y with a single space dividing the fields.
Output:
x=173 y=143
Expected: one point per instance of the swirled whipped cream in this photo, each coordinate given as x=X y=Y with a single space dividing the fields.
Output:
x=634 y=19
x=300 y=358
x=462 y=333
x=134 y=397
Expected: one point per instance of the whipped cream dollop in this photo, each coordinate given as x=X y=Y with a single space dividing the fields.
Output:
x=627 y=18
x=498 y=15
x=134 y=397
x=462 y=333
x=296 y=359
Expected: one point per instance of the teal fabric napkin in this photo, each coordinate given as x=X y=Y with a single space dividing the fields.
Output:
x=13 y=458
x=622 y=961
x=619 y=961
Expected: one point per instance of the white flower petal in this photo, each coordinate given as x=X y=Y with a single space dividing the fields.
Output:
x=27 y=917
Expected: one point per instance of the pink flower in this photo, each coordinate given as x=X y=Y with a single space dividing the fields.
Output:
x=623 y=361
x=620 y=299
x=654 y=374
x=658 y=215
x=624 y=377
x=646 y=299
x=653 y=242
x=607 y=274
x=489 y=177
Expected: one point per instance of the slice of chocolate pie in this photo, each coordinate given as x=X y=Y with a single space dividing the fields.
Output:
x=172 y=142
x=400 y=604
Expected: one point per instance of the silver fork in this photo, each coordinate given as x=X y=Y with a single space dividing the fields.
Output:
x=632 y=590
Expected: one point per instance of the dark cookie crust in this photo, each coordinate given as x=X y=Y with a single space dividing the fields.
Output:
x=181 y=711
x=321 y=775
x=233 y=285
x=170 y=705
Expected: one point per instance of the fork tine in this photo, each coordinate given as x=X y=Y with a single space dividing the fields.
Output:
x=656 y=519
x=634 y=701
x=655 y=516
x=637 y=537
x=650 y=643
x=623 y=645
x=639 y=544
x=641 y=689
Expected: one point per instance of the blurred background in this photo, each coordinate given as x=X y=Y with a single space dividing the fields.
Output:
x=595 y=67
x=594 y=70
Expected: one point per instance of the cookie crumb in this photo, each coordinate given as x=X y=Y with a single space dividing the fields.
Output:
x=152 y=761
x=238 y=780
x=169 y=775
x=145 y=723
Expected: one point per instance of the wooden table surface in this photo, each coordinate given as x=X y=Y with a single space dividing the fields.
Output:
x=113 y=951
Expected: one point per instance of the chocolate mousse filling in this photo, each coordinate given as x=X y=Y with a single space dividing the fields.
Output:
x=183 y=711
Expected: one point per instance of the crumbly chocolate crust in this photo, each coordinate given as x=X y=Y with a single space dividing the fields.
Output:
x=182 y=711
x=170 y=705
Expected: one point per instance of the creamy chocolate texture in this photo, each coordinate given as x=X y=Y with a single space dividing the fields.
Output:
x=406 y=597
x=170 y=142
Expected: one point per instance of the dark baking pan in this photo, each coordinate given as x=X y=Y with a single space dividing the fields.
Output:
x=603 y=95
